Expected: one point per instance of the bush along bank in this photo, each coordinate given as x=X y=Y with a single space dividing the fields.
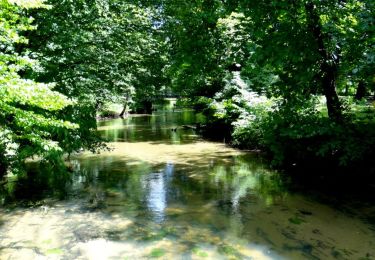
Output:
x=298 y=135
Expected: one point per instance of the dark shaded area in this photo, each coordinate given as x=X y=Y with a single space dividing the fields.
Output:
x=361 y=90
x=39 y=183
x=345 y=189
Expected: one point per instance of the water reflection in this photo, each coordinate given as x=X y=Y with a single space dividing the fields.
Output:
x=161 y=127
x=156 y=185
x=170 y=194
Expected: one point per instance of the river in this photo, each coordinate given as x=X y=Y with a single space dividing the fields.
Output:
x=164 y=192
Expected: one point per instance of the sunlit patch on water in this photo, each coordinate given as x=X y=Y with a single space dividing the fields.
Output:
x=66 y=230
x=170 y=195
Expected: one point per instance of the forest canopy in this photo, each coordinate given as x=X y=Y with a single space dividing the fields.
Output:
x=293 y=78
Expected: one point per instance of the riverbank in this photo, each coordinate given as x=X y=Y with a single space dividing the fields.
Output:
x=166 y=194
x=310 y=144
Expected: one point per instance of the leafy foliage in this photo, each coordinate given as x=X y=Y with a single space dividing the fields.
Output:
x=98 y=50
x=28 y=119
x=257 y=70
x=293 y=53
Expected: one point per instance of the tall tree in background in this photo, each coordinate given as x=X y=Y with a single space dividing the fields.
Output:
x=309 y=46
x=291 y=49
x=96 y=50
x=196 y=52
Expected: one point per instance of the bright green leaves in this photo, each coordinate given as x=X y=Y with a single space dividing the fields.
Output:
x=136 y=52
x=98 y=51
x=29 y=3
x=235 y=37
x=27 y=92
x=28 y=110
x=293 y=52
x=196 y=48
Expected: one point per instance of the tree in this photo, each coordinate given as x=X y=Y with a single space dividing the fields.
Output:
x=196 y=54
x=28 y=110
x=96 y=50
x=307 y=46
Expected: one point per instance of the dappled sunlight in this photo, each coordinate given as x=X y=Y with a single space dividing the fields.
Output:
x=53 y=230
x=156 y=153
x=65 y=230
x=119 y=122
x=150 y=198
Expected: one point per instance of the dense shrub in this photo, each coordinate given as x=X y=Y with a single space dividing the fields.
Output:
x=308 y=137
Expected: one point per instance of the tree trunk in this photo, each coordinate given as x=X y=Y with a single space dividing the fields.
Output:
x=98 y=105
x=125 y=106
x=147 y=107
x=328 y=64
x=3 y=170
x=124 y=110
x=361 y=91
x=329 y=88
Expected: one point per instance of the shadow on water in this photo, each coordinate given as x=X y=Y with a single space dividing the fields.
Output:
x=164 y=193
x=31 y=188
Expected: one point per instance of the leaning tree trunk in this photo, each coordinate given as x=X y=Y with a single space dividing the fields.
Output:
x=123 y=110
x=125 y=106
x=329 y=88
x=329 y=63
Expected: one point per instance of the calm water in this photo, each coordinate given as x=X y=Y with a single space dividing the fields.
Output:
x=170 y=194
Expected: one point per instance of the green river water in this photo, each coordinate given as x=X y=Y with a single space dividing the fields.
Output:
x=169 y=194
